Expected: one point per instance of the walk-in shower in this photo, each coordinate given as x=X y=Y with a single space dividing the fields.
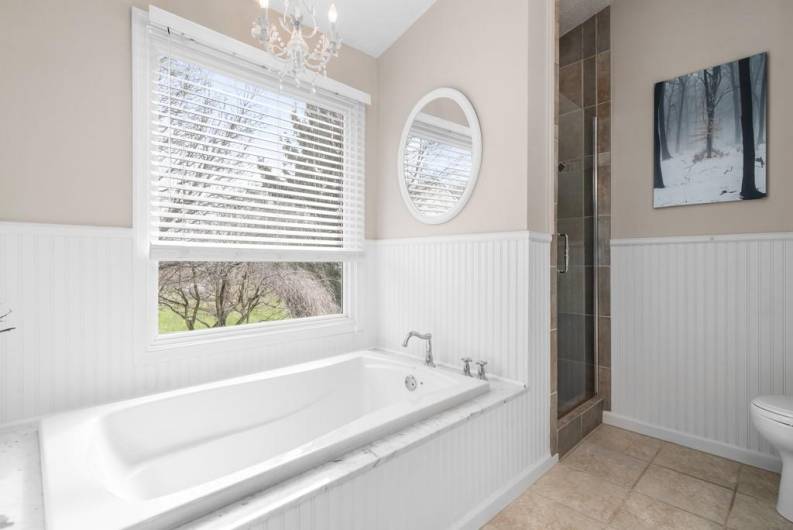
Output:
x=582 y=225
x=577 y=286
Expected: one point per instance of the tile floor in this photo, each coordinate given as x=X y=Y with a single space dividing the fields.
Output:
x=620 y=480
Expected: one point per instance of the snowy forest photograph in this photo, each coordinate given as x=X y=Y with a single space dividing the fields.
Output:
x=710 y=135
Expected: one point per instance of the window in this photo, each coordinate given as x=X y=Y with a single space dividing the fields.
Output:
x=201 y=295
x=253 y=191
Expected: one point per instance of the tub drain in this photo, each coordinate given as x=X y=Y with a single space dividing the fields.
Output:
x=410 y=383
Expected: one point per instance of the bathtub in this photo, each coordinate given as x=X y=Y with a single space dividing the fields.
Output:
x=162 y=460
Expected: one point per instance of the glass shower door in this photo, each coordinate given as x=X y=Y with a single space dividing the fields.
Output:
x=576 y=285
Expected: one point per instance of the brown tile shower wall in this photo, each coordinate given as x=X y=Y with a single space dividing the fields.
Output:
x=584 y=88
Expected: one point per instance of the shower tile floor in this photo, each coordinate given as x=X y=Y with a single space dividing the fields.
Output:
x=619 y=480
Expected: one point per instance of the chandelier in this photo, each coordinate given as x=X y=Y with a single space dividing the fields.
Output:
x=299 y=25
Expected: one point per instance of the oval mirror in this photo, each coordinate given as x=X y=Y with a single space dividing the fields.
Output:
x=439 y=156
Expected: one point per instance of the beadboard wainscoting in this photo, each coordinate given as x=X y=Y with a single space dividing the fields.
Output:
x=74 y=303
x=76 y=309
x=458 y=479
x=700 y=326
x=484 y=296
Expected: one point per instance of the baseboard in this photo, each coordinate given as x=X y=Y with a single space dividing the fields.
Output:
x=487 y=509
x=739 y=454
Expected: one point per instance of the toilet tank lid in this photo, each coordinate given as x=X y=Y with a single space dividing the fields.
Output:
x=782 y=405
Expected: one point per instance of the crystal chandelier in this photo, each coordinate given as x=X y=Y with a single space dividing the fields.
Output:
x=299 y=24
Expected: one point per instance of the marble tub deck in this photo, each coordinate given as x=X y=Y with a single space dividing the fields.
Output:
x=20 y=479
x=619 y=480
x=21 y=501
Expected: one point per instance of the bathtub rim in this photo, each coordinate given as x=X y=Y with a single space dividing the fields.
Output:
x=281 y=498
x=85 y=419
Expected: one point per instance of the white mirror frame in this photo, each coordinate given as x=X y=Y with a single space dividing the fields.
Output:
x=476 y=154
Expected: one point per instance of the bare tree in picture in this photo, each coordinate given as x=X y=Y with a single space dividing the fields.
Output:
x=658 y=179
x=761 y=98
x=711 y=81
x=662 y=120
x=671 y=108
x=683 y=85
x=736 y=101
x=748 y=186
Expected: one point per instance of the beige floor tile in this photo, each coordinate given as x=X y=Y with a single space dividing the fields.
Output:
x=688 y=493
x=613 y=466
x=758 y=483
x=534 y=512
x=680 y=489
x=625 y=442
x=584 y=493
x=749 y=513
x=701 y=465
x=643 y=513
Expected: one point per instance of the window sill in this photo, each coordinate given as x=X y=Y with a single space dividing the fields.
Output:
x=191 y=343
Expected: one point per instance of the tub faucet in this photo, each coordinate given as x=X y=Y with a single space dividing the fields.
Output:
x=467 y=366
x=428 y=360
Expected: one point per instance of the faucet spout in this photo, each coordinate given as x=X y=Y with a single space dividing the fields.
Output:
x=428 y=359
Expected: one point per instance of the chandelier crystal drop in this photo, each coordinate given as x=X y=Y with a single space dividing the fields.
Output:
x=288 y=39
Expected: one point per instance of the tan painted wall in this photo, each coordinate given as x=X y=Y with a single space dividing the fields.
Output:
x=67 y=101
x=483 y=53
x=65 y=92
x=653 y=40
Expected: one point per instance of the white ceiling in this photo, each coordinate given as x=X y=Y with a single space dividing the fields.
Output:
x=574 y=12
x=370 y=25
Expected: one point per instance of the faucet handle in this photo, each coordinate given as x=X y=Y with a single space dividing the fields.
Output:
x=481 y=373
x=466 y=365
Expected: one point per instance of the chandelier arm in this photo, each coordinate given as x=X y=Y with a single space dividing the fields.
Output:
x=298 y=59
x=313 y=13
x=311 y=34
x=285 y=22
x=314 y=29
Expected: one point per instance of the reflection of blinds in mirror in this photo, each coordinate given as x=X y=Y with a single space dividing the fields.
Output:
x=437 y=164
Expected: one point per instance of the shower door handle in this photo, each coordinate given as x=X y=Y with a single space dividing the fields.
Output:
x=566 y=254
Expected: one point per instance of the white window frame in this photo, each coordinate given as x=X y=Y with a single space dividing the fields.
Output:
x=156 y=346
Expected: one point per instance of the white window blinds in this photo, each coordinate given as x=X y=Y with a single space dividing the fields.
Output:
x=437 y=165
x=239 y=165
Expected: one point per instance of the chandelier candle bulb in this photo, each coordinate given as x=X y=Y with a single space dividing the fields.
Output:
x=333 y=15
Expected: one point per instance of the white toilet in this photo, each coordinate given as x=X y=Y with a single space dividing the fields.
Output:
x=773 y=418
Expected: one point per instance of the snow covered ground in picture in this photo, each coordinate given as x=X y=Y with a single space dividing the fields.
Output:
x=710 y=135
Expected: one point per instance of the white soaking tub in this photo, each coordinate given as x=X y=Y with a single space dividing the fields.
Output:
x=161 y=460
